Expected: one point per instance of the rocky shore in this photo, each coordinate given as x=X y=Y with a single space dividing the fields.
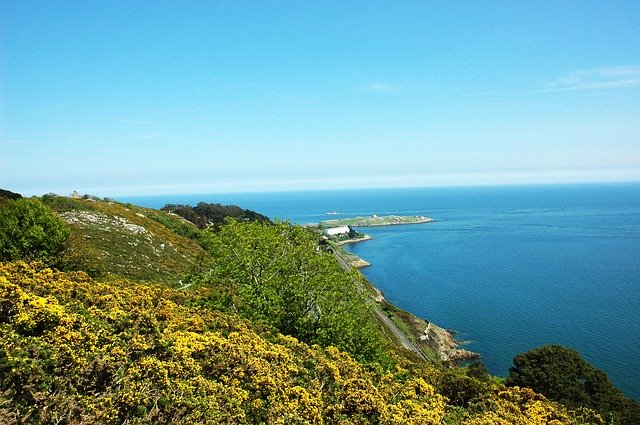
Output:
x=447 y=347
x=354 y=240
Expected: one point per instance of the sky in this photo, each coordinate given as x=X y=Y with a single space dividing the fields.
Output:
x=143 y=98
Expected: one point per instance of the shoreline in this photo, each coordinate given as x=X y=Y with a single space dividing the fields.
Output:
x=423 y=334
x=355 y=240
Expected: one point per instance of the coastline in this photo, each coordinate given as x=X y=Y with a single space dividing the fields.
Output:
x=355 y=240
x=422 y=335
x=426 y=335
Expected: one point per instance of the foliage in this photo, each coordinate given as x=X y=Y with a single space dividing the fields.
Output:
x=64 y=203
x=9 y=194
x=76 y=350
x=275 y=274
x=562 y=375
x=73 y=350
x=478 y=371
x=111 y=238
x=205 y=214
x=180 y=227
x=460 y=388
x=29 y=230
x=523 y=406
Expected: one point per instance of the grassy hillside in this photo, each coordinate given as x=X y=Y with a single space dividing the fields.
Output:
x=111 y=238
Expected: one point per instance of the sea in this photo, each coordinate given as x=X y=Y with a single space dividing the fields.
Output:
x=507 y=268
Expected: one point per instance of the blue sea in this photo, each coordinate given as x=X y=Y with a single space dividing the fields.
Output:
x=508 y=268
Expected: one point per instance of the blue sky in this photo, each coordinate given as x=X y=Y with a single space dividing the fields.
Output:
x=126 y=98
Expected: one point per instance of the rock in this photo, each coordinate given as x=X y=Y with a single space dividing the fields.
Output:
x=443 y=342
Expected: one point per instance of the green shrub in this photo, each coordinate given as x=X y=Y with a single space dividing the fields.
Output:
x=562 y=375
x=29 y=230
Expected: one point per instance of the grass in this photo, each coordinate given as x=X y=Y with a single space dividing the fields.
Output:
x=111 y=238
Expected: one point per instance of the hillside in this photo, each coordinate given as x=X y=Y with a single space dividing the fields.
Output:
x=111 y=238
x=267 y=327
x=76 y=350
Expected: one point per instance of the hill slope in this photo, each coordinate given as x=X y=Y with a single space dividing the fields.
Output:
x=111 y=238
x=76 y=350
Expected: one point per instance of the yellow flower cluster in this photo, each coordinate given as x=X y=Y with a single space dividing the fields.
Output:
x=522 y=406
x=75 y=350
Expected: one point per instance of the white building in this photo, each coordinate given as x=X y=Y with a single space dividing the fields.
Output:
x=332 y=231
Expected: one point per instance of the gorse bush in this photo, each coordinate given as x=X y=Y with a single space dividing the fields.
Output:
x=77 y=351
x=30 y=230
x=74 y=350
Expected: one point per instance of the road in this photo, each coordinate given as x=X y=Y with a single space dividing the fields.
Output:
x=400 y=336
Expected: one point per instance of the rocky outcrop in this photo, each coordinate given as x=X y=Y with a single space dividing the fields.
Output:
x=358 y=262
x=443 y=343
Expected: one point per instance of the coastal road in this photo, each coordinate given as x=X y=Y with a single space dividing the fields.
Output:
x=400 y=336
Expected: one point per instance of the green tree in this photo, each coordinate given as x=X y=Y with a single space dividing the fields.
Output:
x=29 y=230
x=562 y=375
x=479 y=371
x=276 y=274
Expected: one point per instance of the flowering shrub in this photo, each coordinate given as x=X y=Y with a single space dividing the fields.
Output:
x=76 y=350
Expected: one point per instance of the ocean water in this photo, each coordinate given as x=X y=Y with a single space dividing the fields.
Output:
x=507 y=268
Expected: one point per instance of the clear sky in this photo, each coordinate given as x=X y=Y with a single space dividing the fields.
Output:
x=125 y=98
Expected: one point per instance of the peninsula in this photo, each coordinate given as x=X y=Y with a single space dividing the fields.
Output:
x=375 y=221
x=341 y=231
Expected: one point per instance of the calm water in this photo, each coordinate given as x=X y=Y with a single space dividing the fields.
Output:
x=507 y=268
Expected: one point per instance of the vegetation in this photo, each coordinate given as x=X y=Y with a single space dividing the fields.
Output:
x=204 y=214
x=76 y=350
x=266 y=328
x=275 y=274
x=109 y=238
x=30 y=230
x=7 y=194
x=562 y=375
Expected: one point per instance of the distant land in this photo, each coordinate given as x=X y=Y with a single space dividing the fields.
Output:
x=375 y=221
x=341 y=232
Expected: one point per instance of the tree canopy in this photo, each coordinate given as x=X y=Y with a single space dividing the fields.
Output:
x=277 y=275
x=562 y=375
x=30 y=230
x=9 y=194
x=205 y=214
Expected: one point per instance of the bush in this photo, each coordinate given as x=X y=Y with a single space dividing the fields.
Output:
x=276 y=275
x=562 y=375
x=29 y=230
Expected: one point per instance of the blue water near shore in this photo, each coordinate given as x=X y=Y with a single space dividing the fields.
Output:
x=507 y=268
